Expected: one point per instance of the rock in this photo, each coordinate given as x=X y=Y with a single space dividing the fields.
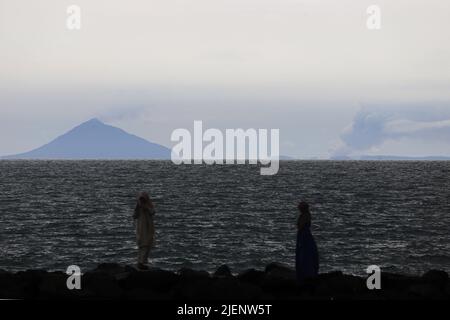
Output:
x=194 y=289
x=280 y=280
x=186 y=273
x=330 y=275
x=100 y=285
x=113 y=281
x=111 y=268
x=233 y=289
x=29 y=282
x=115 y=270
x=156 y=280
x=223 y=271
x=252 y=276
x=53 y=285
x=434 y=283
x=424 y=290
x=280 y=287
x=436 y=276
x=396 y=282
x=336 y=284
x=447 y=289
x=280 y=271
x=278 y=268
x=145 y=294
x=11 y=287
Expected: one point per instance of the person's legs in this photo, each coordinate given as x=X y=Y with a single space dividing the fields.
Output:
x=143 y=254
x=139 y=255
x=146 y=253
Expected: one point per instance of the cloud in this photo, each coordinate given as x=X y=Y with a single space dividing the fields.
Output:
x=122 y=113
x=373 y=125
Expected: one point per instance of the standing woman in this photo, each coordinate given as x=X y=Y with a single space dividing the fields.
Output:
x=145 y=228
x=307 y=257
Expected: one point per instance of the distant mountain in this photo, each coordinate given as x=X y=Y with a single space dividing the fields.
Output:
x=391 y=158
x=95 y=140
x=282 y=157
x=341 y=158
x=387 y=157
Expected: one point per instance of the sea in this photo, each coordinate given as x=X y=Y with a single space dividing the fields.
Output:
x=394 y=214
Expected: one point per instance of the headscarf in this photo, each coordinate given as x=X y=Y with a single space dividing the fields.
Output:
x=303 y=206
x=144 y=204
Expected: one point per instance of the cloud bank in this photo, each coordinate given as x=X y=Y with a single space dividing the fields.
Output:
x=376 y=124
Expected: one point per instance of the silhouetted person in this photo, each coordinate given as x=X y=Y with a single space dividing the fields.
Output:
x=307 y=257
x=145 y=229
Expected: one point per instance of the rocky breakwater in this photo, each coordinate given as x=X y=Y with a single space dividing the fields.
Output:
x=276 y=282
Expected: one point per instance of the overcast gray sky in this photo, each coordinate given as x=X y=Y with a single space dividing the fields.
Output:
x=308 y=67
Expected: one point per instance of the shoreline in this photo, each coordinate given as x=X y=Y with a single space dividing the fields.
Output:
x=276 y=282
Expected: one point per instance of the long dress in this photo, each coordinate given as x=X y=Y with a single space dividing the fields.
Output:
x=307 y=256
x=145 y=229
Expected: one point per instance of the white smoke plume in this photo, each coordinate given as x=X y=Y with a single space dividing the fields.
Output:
x=373 y=125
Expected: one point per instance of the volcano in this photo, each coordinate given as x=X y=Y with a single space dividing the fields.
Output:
x=94 y=139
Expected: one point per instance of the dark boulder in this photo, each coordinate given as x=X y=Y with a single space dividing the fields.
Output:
x=223 y=271
x=53 y=286
x=145 y=294
x=279 y=269
x=29 y=282
x=252 y=276
x=191 y=274
x=424 y=291
x=338 y=285
x=436 y=277
x=232 y=289
x=113 y=281
x=193 y=284
x=431 y=285
x=110 y=268
x=11 y=287
x=280 y=280
x=100 y=285
x=156 y=280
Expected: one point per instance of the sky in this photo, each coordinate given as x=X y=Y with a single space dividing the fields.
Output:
x=310 y=68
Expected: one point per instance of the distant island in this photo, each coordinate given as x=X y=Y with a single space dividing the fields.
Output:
x=94 y=139
x=391 y=158
x=382 y=157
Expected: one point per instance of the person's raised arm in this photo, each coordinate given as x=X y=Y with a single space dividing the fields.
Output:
x=136 y=212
